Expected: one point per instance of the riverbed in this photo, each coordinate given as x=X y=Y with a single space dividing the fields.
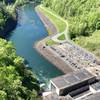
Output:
x=30 y=30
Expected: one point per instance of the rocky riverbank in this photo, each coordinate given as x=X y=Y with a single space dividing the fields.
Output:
x=9 y=26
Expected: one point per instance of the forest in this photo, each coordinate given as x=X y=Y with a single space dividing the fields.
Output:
x=16 y=81
x=83 y=15
x=7 y=15
x=83 y=18
x=14 y=76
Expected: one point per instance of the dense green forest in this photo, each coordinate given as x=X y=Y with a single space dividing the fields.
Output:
x=8 y=14
x=83 y=15
x=16 y=81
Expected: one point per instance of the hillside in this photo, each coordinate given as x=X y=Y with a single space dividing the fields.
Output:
x=91 y=43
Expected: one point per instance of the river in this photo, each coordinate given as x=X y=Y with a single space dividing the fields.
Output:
x=29 y=30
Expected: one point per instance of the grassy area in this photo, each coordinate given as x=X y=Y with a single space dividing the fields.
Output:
x=50 y=42
x=49 y=31
x=60 y=25
x=62 y=37
x=91 y=43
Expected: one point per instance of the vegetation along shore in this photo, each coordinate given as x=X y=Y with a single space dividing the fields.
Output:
x=17 y=82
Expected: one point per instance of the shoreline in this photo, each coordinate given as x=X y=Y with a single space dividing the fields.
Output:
x=46 y=52
x=10 y=26
x=47 y=23
x=11 y=23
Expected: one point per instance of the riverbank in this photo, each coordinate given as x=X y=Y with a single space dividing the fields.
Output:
x=58 y=22
x=8 y=19
x=12 y=17
x=47 y=23
x=45 y=51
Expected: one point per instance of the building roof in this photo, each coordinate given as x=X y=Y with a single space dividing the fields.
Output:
x=72 y=79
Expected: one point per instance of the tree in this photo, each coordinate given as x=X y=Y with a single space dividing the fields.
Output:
x=83 y=15
x=16 y=81
x=3 y=95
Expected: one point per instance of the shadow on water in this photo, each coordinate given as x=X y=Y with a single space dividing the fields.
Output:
x=29 y=30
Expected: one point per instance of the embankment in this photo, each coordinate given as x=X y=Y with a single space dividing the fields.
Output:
x=48 y=24
x=46 y=51
x=9 y=26
x=50 y=56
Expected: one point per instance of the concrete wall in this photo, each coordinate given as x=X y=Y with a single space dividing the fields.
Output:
x=56 y=60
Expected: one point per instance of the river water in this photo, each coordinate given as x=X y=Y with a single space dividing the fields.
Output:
x=29 y=30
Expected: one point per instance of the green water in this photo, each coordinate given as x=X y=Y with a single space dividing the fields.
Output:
x=29 y=30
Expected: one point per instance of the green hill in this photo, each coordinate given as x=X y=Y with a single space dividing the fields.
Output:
x=16 y=81
x=83 y=15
